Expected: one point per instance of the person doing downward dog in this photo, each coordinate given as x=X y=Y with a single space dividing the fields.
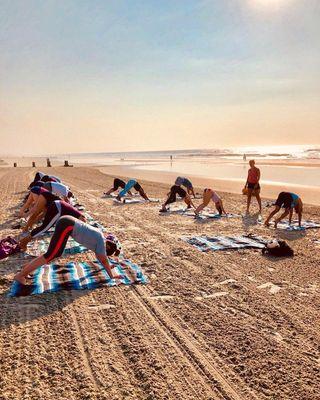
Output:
x=38 y=199
x=59 y=189
x=90 y=237
x=209 y=194
x=52 y=212
x=181 y=181
x=172 y=197
x=117 y=184
x=253 y=185
x=289 y=201
x=132 y=183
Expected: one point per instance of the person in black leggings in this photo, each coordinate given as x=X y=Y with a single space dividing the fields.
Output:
x=92 y=238
x=172 y=197
x=54 y=211
x=117 y=184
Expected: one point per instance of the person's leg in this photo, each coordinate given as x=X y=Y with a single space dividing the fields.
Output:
x=56 y=247
x=249 y=195
x=129 y=185
x=206 y=197
x=299 y=210
x=259 y=199
x=277 y=208
x=172 y=197
x=219 y=207
x=191 y=191
x=282 y=216
x=143 y=194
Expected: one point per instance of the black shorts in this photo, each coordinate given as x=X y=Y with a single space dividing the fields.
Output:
x=118 y=183
x=137 y=187
x=284 y=200
x=253 y=186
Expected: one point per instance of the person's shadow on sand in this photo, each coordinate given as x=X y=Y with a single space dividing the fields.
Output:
x=19 y=310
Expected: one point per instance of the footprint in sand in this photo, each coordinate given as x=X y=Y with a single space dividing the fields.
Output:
x=101 y=307
x=273 y=289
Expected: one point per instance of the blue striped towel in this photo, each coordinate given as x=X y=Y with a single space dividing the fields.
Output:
x=78 y=276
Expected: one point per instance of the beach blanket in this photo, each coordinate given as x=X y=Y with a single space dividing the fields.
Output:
x=128 y=200
x=77 y=276
x=40 y=246
x=206 y=243
x=206 y=214
x=308 y=224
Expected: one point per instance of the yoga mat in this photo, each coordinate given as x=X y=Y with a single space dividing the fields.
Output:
x=77 y=276
x=214 y=243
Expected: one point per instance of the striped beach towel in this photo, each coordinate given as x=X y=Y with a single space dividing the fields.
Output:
x=308 y=224
x=206 y=243
x=78 y=276
x=40 y=246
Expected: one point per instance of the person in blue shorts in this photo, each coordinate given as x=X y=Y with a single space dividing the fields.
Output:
x=288 y=201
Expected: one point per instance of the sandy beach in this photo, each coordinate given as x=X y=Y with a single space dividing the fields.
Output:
x=220 y=325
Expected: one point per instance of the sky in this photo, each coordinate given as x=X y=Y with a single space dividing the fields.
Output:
x=121 y=75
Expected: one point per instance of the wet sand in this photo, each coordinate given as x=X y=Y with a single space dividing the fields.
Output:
x=226 y=325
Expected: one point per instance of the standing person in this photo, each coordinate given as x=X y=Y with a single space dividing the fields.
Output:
x=182 y=181
x=253 y=185
x=172 y=197
x=209 y=194
x=289 y=201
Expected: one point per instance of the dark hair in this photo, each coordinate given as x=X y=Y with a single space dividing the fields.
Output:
x=111 y=248
x=70 y=194
x=34 y=183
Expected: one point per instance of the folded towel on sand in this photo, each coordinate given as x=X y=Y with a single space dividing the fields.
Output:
x=40 y=246
x=77 y=276
x=206 y=243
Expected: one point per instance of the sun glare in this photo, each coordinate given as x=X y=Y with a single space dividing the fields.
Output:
x=270 y=4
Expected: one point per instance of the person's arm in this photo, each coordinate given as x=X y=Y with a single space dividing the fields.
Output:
x=38 y=208
x=287 y=211
x=103 y=259
x=26 y=205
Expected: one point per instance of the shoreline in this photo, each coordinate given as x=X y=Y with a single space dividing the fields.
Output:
x=269 y=190
x=309 y=195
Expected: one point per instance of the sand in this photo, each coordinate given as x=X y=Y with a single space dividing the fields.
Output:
x=225 y=325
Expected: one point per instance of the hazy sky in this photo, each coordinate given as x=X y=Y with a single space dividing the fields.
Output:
x=114 y=75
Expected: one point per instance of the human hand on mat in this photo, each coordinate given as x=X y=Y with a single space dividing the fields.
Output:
x=23 y=242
